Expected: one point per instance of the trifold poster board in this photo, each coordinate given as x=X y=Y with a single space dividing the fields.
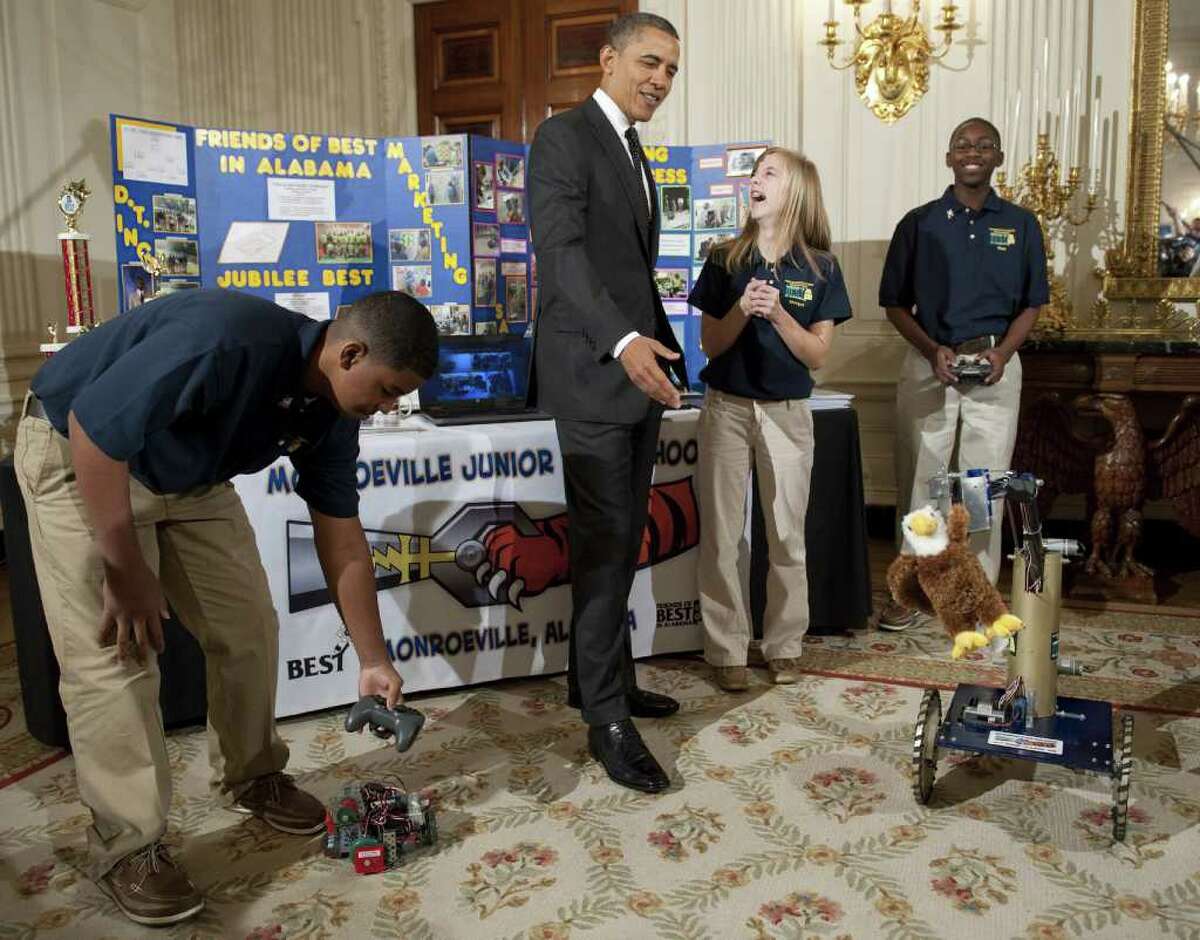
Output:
x=313 y=221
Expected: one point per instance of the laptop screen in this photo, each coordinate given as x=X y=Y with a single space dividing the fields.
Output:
x=477 y=373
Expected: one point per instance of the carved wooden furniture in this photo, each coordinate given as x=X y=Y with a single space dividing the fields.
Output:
x=1120 y=423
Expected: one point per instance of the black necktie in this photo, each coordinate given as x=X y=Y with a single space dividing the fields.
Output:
x=635 y=151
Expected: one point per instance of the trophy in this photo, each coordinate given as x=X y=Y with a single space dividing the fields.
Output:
x=153 y=268
x=77 y=272
x=50 y=348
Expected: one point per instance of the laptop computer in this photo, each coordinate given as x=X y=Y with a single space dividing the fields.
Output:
x=479 y=380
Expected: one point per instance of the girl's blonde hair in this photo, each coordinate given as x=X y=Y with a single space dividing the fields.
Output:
x=803 y=220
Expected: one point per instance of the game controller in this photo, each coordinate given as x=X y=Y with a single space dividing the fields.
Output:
x=403 y=722
x=971 y=371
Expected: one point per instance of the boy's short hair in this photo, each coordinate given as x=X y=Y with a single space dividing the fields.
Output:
x=396 y=328
x=975 y=120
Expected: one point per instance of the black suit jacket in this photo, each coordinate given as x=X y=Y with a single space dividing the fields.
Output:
x=595 y=248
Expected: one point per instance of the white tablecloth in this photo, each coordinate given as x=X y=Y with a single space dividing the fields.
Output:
x=426 y=493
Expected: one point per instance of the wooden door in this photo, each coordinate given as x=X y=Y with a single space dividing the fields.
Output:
x=500 y=67
x=468 y=67
x=562 y=44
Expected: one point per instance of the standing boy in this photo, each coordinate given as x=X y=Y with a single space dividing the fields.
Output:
x=964 y=280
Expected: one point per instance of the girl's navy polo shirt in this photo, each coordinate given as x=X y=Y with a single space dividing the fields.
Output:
x=759 y=364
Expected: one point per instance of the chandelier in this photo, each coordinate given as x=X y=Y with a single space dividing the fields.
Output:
x=891 y=55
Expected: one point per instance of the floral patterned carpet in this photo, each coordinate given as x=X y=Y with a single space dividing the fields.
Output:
x=790 y=815
x=1146 y=660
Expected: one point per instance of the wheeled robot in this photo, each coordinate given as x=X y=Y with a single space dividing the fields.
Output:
x=1027 y=718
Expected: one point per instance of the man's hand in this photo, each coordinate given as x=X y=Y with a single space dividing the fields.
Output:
x=381 y=679
x=997 y=359
x=640 y=360
x=942 y=360
x=133 y=611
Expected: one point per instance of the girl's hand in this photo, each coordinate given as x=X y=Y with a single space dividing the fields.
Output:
x=748 y=301
x=767 y=303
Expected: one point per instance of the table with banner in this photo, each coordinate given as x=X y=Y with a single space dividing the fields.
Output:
x=429 y=497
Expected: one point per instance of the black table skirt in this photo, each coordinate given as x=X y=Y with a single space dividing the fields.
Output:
x=835 y=533
x=181 y=693
x=838 y=578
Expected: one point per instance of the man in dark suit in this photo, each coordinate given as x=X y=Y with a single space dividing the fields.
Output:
x=603 y=351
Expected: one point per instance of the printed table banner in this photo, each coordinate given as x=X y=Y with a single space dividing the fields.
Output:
x=467 y=528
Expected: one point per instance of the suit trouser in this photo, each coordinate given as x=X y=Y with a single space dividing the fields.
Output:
x=606 y=475
x=203 y=550
x=737 y=434
x=928 y=414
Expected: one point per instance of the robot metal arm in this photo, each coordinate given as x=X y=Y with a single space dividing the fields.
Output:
x=976 y=489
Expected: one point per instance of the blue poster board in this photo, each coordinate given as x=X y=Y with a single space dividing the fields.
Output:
x=309 y=221
x=501 y=252
x=155 y=205
x=294 y=218
x=428 y=238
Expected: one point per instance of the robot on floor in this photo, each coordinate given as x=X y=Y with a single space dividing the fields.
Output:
x=377 y=826
x=1027 y=718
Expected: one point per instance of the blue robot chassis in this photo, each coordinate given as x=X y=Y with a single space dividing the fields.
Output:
x=1012 y=722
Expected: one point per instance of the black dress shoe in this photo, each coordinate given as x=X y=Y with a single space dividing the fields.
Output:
x=623 y=754
x=643 y=704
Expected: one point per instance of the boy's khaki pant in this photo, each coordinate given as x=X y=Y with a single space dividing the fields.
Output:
x=776 y=437
x=928 y=414
x=202 y=547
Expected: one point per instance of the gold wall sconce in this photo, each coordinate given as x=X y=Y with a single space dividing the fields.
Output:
x=891 y=55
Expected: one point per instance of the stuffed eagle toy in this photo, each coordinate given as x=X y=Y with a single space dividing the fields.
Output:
x=937 y=574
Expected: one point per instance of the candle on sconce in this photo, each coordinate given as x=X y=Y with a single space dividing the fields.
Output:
x=1094 y=150
x=1014 y=134
x=1035 y=115
x=1066 y=132
x=1073 y=147
x=1045 y=78
x=829 y=18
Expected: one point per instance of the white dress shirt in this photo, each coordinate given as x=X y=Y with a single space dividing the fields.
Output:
x=620 y=124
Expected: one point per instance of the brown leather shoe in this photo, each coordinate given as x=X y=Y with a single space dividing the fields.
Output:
x=277 y=801
x=732 y=678
x=784 y=671
x=151 y=889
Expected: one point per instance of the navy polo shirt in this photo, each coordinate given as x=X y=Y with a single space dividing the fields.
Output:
x=758 y=364
x=198 y=386
x=966 y=273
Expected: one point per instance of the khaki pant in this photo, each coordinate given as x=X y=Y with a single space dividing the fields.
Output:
x=777 y=438
x=928 y=415
x=203 y=549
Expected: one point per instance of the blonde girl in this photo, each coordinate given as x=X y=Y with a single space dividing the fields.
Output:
x=770 y=297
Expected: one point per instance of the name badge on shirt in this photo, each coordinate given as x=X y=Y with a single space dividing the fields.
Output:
x=798 y=291
x=1002 y=238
